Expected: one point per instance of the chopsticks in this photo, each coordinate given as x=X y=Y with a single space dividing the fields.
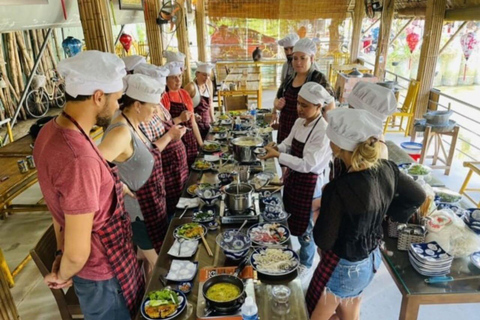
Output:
x=207 y=247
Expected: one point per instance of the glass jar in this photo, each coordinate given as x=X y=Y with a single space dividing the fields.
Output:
x=280 y=299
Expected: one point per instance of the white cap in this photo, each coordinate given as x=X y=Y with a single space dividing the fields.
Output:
x=306 y=46
x=205 y=67
x=90 y=71
x=315 y=93
x=289 y=40
x=378 y=100
x=132 y=61
x=349 y=127
x=158 y=73
x=143 y=88
x=175 y=68
x=174 y=56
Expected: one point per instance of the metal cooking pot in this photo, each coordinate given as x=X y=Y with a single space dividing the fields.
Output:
x=243 y=148
x=239 y=202
x=438 y=117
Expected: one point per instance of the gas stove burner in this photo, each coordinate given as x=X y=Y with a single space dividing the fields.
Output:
x=251 y=215
x=211 y=310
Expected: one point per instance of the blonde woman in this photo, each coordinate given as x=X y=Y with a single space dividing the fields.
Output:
x=349 y=228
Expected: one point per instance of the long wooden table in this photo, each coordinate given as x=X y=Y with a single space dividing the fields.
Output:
x=263 y=298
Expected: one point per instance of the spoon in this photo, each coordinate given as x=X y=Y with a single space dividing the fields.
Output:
x=180 y=242
x=243 y=225
x=184 y=211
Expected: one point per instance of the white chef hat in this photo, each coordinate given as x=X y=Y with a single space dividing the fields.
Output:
x=143 y=88
x=306 y=46
x=158 y=73
x=378 y=100
x=289 y=40
x=174 y=56
x=315 y=93
x=205 y=67
x=132 y=61
x=349 y=127
x=175 y=68
x=90 y=71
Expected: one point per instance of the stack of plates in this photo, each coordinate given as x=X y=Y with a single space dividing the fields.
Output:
x=429 y=259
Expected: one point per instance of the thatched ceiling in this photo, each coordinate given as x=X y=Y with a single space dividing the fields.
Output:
x=308 y=9
x=278 y=9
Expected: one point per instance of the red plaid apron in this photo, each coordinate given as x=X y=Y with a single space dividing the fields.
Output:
x=289 y=113
x=191 y=145
x=324 y=271
x=298 y=191
x=203 y=109
x=116 y=237
x=151 y=198
x=175 y=170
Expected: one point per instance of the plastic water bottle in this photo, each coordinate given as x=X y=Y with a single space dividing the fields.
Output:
x=253 y=113
x=249 y=309
x=238 y=124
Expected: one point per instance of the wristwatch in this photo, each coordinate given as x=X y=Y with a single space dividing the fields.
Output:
x=58 y=253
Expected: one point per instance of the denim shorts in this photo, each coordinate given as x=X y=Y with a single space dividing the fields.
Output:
x=349 y=279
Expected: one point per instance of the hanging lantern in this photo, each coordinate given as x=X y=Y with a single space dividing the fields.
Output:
x=126 y=41
x=412 y=41
x=72 y=46
x=468 y=42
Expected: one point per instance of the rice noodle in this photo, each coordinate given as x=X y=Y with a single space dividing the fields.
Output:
x=275 y=261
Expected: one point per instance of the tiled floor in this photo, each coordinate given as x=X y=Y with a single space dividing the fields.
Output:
x=20 y=232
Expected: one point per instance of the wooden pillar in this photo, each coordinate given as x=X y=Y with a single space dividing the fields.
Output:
x=151 y=8
x=358 y=14
x=201 y=32
x=384 y=38
x=429 y=55
x=183 y=44
x=334 y=43
x=96 y=25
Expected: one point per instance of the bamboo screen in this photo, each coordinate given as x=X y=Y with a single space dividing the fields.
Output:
x=278 y=9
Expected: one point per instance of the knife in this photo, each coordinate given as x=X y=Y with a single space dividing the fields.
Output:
x=432 y=280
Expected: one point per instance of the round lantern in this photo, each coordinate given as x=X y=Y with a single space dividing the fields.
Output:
x=412 y=41
x=468 y=42
x=126 y=41
x=72 y=46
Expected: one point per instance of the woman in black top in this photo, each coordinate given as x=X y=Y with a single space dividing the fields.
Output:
x=349 y=228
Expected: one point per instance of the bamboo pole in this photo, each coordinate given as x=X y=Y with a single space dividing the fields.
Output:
x=12 y=64
x=36 y=49
x=358 y=15
x=201 y=32
x=453 y=37
x=7 y=103
x=334 y=41
x=23 y=49
x=50 y=51
x=4 y=103
x=96 y=25
x=183 y=44
x=401 y=30
x=57 y=45
x=44 y=61
x=383 y=39
x=434 y=18
x=154 y=34
x=21 y=83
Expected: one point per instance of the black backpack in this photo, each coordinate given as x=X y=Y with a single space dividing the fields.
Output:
x=38 y=125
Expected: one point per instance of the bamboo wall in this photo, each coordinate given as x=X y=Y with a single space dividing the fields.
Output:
x=96 y=24
x=18 y=51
